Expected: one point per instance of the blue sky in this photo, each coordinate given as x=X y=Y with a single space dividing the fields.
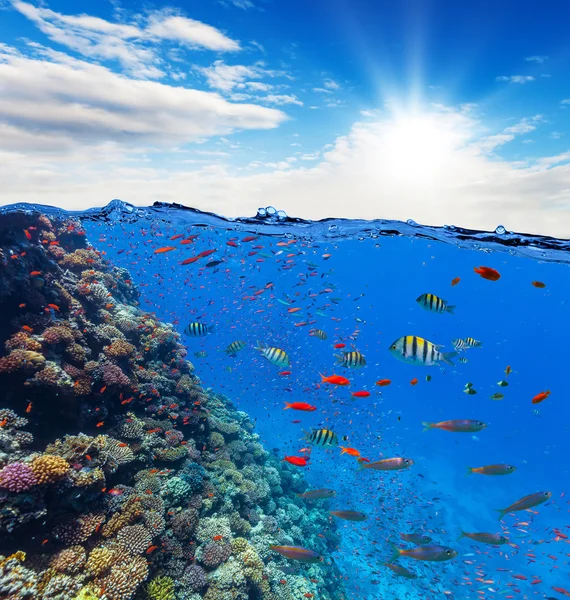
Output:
x=438 y=111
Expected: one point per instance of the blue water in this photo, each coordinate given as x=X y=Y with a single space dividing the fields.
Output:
x=364 y=295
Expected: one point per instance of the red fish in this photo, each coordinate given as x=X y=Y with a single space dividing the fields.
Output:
x=362 y=394
x=340 y=345
x=115 y=492
x=283 y=373
x=29 y=407
x=53 y=307
x=35 y=273
x=488 y=273
x=190 y=260
x=298 y=461
x=164 y=249
x=176 y=237
x=300 y=406
x=538 y=284
x=383 y=382
x=206 y=253
x=334 y=379
x=249 y=238
x=414 y=381
x=296 y=421
x=455 y=281
x=540 y=397
x=151 y=549
x=231 y=243
x=27 y=234
x=217 y=538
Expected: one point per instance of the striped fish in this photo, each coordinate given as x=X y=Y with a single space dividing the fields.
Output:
x=352 y=359
x=235 y=347
x=472 y=342
x=462 y=344
x=322 y=437
x=415 y=350
x=201 y=354
x=274 y=355
x=434 y=303
x=198 y=329
x=463 y=359
x=318 y=333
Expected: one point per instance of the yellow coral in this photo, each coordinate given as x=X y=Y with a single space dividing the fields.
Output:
x=49 y=468
x=100 y=560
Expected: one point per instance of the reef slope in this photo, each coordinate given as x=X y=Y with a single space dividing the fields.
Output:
x=120 y=476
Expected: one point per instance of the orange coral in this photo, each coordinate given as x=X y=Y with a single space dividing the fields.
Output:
x=49 y=468
x=119 y=349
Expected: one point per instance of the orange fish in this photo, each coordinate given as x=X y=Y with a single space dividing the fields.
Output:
x=539 y=284
x=414 y=381
x=488 y=273
x=300 y=406
x=156 y=430
x=294 y=310
x=362 y=394
x=217 y=538
x=29 y=407
x=383 y=382
x=22 y=305
x=27 y=234
x=28 y=329
x=151 y=549
x=102 y=390
x=206 y=253
x=164 y=249
x=455 y=281
x=349 y=451
x=334 y=379
x=540 y=397
x=176 y=237
x=35 y=273
x=53 y=307
x=100 y=424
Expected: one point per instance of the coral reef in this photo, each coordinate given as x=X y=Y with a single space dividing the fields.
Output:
x=120 y=477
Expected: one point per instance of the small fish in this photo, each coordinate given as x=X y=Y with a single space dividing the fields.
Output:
x=430 y=553
x=217 y=538
x=349 y=515
x=527 y=502
x=469 y=389
x=414 y=381
x=285 y=373
x=352 y=360
x=415 y=350
x=319 y=494
x=115 y=492
x=455 y=281
x=508 y=371
x=319 y=333
x=495 y=539
x=540 y=397
x=300 y=406
x=298 y=461
x=419 y=539
x=456 y=426
x=463 y=360
x=29 y=407
x=462 y=344
x=189 y=261
x=213 y=263
x=54 y=307
x=428 y=377
x=388 y=464
x=399 y=570
x=539 y=284
x=276 y=356
x=487 y=273
x=502 y=383
x=383 y=382
x=151 y=549
x=298 y=553
x=201 y=354
x=433 y=303
x=100 y=424
x=197 y=329
x=206 y=253
x=497 y=396
x=338 y=346
x=349 y=451
x=234 y=348
x=361 y=394
x=334 y=380
x=164 y=249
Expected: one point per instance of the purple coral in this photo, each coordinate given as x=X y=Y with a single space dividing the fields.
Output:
x=194 y=578
x=17 y=477
x=214 y=554
x=113 y=375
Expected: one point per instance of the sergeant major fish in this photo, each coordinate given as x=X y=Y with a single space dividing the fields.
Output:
x=352 y=359
x=415 y=350
x=198 y=329
x=322 y=437
x=433 y=303
x=274 y=355
x=234 y=348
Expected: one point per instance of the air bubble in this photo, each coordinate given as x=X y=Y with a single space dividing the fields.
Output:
x=500 y=230
x=270 y=211
x=412 y=223
x=281 y=215
x=261 y=213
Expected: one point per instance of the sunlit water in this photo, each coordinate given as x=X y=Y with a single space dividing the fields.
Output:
x=358 y=282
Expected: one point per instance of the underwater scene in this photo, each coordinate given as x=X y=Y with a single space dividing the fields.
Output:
x=269 y=408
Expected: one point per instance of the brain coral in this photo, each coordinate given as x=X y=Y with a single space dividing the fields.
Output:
x=17 y=477
x=49 y=468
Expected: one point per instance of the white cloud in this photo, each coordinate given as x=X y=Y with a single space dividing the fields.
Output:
x=70 y=99
x=432 y=168
x=322 y=90
x=281 y=99
x=128 y=44
x=515 y=78
x=225 y=78
x=565 y=102
x=536 y=59
x=331 y=84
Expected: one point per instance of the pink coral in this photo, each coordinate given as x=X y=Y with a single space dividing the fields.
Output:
x=17 y=477
x=113 y=375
